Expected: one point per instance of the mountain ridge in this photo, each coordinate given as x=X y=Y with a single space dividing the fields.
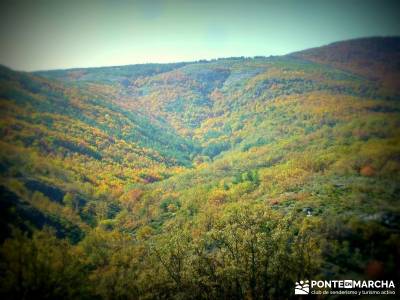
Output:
x=360 y=55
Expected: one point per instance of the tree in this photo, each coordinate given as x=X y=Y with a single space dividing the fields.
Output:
x=40 y=267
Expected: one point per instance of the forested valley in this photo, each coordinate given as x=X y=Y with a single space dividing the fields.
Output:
x=230 y=178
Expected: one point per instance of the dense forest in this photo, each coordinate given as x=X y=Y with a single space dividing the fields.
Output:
x=217 y=179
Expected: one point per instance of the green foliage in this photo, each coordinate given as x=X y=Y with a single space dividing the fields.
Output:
x=40 y=267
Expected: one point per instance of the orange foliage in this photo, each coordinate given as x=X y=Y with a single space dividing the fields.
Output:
x=367 y=171
x=130 y=198
x=374 y=269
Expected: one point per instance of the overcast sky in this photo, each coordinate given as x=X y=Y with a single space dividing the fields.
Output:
x=51 y=34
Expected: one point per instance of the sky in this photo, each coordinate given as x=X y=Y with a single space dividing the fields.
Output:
x=53 y=34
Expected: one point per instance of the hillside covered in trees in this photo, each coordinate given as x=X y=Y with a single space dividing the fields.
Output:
x=223 y=179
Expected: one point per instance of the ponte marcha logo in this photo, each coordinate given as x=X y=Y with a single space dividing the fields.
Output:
x=302 y=287
x=351 y=287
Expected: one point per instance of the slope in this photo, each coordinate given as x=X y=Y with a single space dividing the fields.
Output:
x=63 y=147
x=375 y=58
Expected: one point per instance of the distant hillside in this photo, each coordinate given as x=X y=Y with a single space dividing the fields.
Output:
x=120 y=74
x=58 y=140
x=376 y=58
